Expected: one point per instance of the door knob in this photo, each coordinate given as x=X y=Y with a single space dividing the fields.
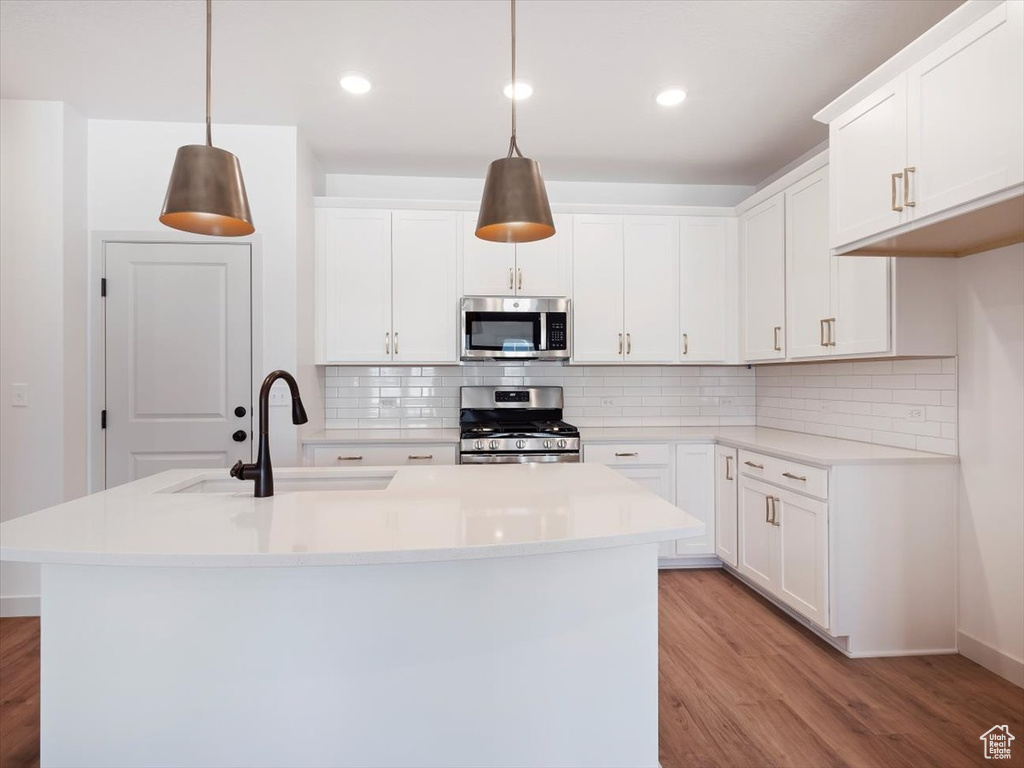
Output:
x=239 y=436
x=240 y=411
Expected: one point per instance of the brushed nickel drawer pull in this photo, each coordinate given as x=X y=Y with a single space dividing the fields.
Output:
x=350 y=458
x=421 y=456
x=791 y=476
x=892 y=181
x=627 y=454
x=752 y=464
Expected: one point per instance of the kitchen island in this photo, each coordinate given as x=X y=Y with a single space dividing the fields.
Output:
x=455 y=616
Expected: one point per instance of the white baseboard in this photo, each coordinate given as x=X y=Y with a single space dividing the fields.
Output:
x=19 y=605
x=689 y=561
x=991 y=658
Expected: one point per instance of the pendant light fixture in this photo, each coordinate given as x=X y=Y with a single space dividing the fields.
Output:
x=206 y=193
x=514 y=208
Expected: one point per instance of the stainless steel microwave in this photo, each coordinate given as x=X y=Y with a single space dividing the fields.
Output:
x=515 y=328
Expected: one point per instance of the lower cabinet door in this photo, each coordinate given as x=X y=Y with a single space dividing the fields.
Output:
x=695 y=494
x=726 y=502
x=659 y=481
x=802 y=581
x=756 y=543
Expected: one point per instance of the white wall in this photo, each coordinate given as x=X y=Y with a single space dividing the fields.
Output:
x=559 y=192
x=310 y=181
x=129 y=165
x=42 y=330
x=991 y=536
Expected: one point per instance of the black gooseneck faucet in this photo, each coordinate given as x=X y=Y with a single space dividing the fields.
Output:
x=262 y=471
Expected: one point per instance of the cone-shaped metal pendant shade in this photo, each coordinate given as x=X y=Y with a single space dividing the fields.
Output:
x=514 y=208
x=206 y=194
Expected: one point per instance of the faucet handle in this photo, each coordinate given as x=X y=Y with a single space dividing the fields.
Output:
x=236 y=471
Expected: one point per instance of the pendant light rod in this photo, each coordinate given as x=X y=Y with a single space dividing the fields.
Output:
x=513 y=145
x=209 y=68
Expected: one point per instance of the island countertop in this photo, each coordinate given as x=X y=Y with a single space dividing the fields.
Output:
x=393 y=515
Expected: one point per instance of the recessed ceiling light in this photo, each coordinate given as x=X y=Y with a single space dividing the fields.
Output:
x=519 y=90
x=670 y=97
x=354 y=82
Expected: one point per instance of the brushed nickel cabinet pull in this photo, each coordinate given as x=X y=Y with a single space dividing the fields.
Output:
x=511 y=278
x=776 y=331
x=752 y=464
x=350 y=458
x=686 y=343
x=821 y=332
x=387 y=343
x=627 y=454
x=629 y=343
x=906 y=187
x=791 y=476
x=620 y=344
x=421 y=456
x=775 y=510
x=520 y=278
x=396 y=342
x=831 y=323
x=892 y=186
x=728 y=468
x=768 y=509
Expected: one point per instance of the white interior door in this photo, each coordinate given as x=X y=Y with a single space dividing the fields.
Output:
x=178 y=338
x=808 y=275
x=424 y=258
x=651 y=303
x=704 y=302
x=597 y=289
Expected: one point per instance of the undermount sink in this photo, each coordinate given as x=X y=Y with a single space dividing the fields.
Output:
x=294 y=481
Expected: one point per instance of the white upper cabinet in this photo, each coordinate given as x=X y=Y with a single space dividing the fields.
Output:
x=540 y=268
x=763 y=253
x=543 y=266
x=651 y=297
x=707 y=288
x=867 y=153
x=597 y=286
x=353 y=285
x=425 y=246
x=834 y=305
x=488 y=269
x=964 y=107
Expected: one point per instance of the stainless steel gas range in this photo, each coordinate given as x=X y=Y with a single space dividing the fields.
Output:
x=515 y=425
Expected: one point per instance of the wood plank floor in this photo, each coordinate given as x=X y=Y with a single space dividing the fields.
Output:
x=741 y=685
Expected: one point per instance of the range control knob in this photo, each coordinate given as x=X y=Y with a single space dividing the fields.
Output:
x=547 y=444
x=479 y=445
x=494 y=445
x=520 y=444
x=562 y=443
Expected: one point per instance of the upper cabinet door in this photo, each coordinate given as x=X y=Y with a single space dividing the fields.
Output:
x=425 y=249
x=651 y=319
x=706 y=287
x=965 y=106
x=763 y=249
x=867 y=155
x=597 y=285
x=353 y=285
x=488 y=269
x=860 y=305
x=543 y=266
x=808 y=286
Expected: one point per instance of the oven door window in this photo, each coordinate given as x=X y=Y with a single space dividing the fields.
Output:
x=503 y=332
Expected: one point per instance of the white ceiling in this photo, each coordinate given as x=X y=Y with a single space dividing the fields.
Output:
x=755 y=73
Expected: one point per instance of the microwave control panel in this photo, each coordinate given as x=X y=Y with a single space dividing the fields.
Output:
x=557 y=331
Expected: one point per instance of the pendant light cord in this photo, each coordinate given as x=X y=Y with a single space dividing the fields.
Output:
x=513 y=145
x=209 y=56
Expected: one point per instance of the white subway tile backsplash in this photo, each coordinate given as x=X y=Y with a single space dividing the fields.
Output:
x=903 y=403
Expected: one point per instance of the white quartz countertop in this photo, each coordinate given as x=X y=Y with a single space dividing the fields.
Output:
x=810 y=449
x=423 y=514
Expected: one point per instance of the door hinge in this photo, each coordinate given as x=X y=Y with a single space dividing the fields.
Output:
x=103 y=286
x=103 y=419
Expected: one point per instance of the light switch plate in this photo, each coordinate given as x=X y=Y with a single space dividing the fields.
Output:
x=280 y=395
x=19 y=395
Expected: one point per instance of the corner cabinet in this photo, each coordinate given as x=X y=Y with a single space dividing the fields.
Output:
x=625 y=289
x=386 y=286
x=763 y=295
x=540 y=268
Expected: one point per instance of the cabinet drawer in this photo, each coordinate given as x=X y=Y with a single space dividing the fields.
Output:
x=619 y=454
x=361 y=455
x=789 y=474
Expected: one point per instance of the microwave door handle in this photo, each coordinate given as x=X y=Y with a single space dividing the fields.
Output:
x=543 y=331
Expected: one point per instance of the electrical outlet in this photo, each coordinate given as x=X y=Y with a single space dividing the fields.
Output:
x=827 y=406
x=389 y=402
x=280 y=396
x=726 y=401
x=607 y=401
x=915 y=413
x=19 y=395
